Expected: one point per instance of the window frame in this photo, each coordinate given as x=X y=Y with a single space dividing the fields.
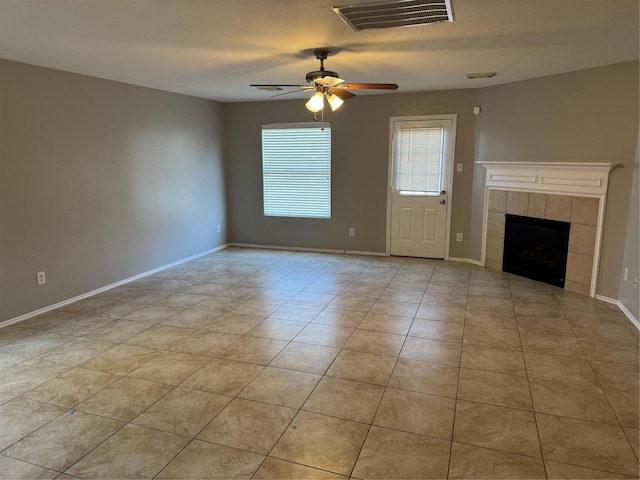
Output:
x=278 y=174
x=409 y=128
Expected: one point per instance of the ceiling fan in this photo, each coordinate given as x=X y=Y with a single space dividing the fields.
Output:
x=326 y=84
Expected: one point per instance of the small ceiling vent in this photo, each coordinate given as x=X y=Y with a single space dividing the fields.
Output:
x=401 y=13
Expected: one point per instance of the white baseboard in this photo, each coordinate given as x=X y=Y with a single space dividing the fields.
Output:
x=466 y=260
x=307 y=249
x=621 y=306
x=40 y=311
x=329 y=250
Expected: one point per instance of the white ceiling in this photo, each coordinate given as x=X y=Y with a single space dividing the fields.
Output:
x=215 y=48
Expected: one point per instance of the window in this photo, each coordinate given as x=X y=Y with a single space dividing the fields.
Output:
x=420 y=154
x=296 y=170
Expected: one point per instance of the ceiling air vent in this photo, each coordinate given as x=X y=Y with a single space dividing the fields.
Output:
x=401 y=13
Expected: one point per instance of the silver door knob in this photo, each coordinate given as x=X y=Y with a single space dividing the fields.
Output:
x=443 y=192
x=442 y=202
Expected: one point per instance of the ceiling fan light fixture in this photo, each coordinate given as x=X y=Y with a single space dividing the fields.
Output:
x=316 y=102
x=335 y=102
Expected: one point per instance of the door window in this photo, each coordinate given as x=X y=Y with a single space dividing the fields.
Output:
x=419 y=161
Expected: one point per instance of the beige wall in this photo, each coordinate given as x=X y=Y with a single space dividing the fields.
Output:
x=360 y=156
x=629 y=295
x=100 y=181
x=585 y=116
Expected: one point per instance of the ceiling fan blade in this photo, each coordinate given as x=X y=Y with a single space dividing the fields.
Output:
x=325 y=83
x=306 y=89
x=342 y=94
x=329 y=81
x=269 y=85
x=368 y=86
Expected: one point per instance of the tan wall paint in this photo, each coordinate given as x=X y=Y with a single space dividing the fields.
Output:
x=360 y=156
x=630 y=295
x=100 y=181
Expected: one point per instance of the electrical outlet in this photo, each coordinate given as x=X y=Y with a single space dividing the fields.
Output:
x=41 y=277
x=459 y=237
x=352 y=232
x=626 y=274
x=458 y=167
x=218 y=228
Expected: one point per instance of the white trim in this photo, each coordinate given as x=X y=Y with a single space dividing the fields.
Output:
x=581 y=179
x=595 y=269
x=279 y=126
x=308 y=249
x=452 y=171
x=467 y=260
x=389 y=187
x=622 y=307
x=40 y=311
x=453 y=118
x=606 y=299
x=485 y=220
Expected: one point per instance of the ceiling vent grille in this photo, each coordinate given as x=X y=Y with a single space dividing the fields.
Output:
x=401 y=13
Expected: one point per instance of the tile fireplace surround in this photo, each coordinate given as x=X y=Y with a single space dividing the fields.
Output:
x=569 y=192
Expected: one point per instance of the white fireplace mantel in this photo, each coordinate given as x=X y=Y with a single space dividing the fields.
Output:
x=555 y=178
x=560 y=178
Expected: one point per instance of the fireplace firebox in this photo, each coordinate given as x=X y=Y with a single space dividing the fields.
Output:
x=536 y=248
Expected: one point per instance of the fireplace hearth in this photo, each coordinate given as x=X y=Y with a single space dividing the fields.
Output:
x=536 y=248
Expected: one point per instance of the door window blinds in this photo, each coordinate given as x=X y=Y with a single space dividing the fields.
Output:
x=420 y=161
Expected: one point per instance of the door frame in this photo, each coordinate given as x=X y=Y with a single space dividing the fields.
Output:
x=453 y=117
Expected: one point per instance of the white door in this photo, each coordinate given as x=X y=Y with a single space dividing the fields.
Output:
x=421 y=159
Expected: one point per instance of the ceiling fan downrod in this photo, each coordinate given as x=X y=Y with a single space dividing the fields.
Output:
x=321 y=55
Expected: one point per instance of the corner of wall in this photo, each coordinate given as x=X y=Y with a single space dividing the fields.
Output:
x=628 y=294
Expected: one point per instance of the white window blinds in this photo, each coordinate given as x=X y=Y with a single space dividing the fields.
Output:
x=420 y=163
x=296 y=170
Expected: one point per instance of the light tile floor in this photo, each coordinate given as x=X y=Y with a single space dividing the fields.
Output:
x=271 y=364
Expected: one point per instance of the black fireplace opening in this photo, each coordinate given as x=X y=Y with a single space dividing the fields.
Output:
x=536 y=248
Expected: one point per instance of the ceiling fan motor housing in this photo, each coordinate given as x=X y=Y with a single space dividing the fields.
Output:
x=313 y=76
x=321 y=54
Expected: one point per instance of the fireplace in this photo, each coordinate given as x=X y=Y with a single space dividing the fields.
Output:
x=536 y=248
x=563 y=191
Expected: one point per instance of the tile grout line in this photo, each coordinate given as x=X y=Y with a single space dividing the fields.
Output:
x=322 y=376
x=533 y=408
x=455 y=405
x=373 y=417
